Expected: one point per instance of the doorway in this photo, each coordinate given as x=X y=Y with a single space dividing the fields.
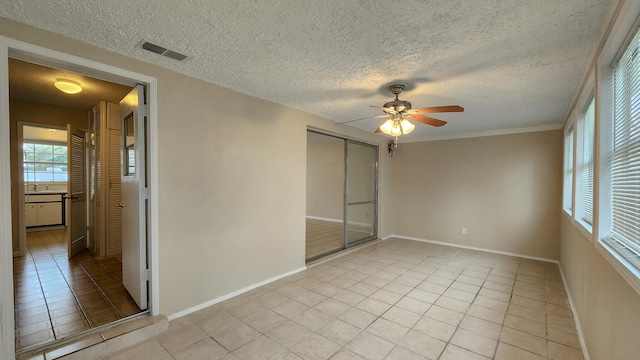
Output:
x=67 y=276
x=342 y=191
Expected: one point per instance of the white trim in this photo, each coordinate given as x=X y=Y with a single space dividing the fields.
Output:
x=154 y=236
x=581 y=225
x=478 y=249
x=486 y=133
x=22 y=226
x=388 y=237
x=22 y=50
x=232 y=294
x=325 y=219
x=7 y=339
x=583 y=344
x=584 y=226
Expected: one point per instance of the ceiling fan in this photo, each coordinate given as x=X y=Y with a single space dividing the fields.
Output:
x=400 y=112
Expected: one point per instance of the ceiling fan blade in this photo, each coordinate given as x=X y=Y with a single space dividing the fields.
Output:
x=365 y=118
x=428 y=120
x=437 y=109
x=377 y=130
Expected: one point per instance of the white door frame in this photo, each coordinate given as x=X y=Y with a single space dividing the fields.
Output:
x=24 y=51
x=22 y=226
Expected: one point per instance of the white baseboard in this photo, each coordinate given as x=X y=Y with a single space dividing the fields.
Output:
x=474 y=248
x=233 y=294
x=583 y=344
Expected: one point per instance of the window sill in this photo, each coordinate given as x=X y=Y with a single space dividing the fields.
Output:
x=630 y=274
x=586 y=229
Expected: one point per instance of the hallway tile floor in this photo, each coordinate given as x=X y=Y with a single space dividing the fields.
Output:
x=56 y=296
x=393 y=299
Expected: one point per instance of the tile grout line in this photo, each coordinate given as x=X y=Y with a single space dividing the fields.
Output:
x=46 y=303
x=75 y=297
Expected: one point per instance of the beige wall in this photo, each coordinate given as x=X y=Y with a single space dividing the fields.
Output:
x=232 y=198
x=506 y=190
x=325 y=179
x=40 y=114
x=607 y=306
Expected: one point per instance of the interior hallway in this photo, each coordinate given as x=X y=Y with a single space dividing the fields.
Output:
x=56 y=296
x=392 y=299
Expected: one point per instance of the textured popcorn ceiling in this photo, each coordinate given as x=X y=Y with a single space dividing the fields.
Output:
x=511 y=64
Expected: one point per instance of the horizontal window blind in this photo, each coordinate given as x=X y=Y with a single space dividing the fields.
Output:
x=625 y=161
x=586 y=166
x=568 y=170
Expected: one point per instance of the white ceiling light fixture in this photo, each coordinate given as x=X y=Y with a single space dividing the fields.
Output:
x=396 y=126
x=68 y=86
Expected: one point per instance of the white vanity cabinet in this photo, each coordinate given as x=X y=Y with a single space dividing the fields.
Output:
x=44 y=209
x=32 y=214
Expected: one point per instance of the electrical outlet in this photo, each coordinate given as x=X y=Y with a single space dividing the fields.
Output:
x=464 y=231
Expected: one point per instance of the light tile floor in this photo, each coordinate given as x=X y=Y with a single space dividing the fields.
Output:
x=393 y=299
x=57 y=297
x=325 y=237
x=322 y=237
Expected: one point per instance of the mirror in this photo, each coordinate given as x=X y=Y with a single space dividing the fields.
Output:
x=129 y=147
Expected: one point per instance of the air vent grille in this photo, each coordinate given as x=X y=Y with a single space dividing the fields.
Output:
x=162 y=51
x=174 y=55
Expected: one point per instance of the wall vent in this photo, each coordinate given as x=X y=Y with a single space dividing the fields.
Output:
x=162 y=51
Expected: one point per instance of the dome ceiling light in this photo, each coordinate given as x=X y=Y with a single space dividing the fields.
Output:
x=68 y=86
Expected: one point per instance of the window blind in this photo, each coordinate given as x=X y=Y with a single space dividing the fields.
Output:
x=625 y=156
x=568 y=170
x=586 y=166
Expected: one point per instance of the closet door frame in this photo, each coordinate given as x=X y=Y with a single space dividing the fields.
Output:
x=345 y=226
x=346 y=142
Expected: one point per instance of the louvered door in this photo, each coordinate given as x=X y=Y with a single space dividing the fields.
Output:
x=113 y=182
x=76 y=192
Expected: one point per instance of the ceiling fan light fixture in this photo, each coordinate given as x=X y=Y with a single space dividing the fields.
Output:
x=407 y=126
x=396 y=129
x=386 y=126
x=67 y=86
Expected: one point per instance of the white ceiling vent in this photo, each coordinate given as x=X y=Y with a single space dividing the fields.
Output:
x=162 y=51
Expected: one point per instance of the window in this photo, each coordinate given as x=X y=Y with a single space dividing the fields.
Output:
x=567 y=192
x=624 y=159
x=44 y=162
x=585 y=168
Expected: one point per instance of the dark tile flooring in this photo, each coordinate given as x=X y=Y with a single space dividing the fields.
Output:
x=57 y=297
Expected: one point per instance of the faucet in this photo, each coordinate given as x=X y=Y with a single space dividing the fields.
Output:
x=35 y=187
x=46 y=186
